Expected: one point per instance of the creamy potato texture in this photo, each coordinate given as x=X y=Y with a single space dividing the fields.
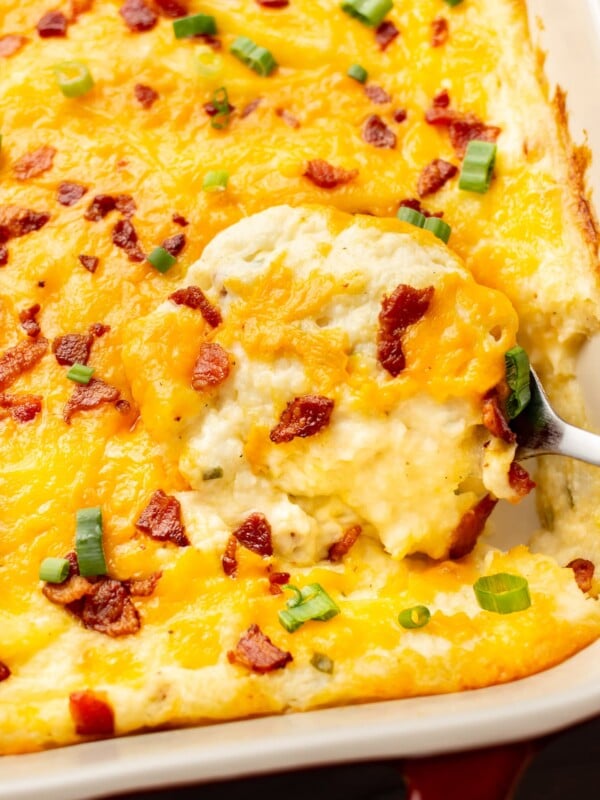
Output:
x=300 y=316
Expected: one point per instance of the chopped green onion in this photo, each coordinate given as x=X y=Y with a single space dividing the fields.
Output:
x=517 y=377
x=477 y=168
x=322 y=662
x=80 y=373
x=357 y=72
x=74 y=78
x=310 y=603
x=502 y=593
x=215 y=181
x=369 y=12
x=54 y=570
x=415 y=617
x=257 y=58
x=212 y=474
x=161 y=259
x=88 y=542
x=407 y=214
x=209 y=64
x=439 y=228
x=220 y=101
x=453 y=2
x=195 y=25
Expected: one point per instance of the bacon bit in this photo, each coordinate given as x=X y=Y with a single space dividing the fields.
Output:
x=69 y=193
x=255 y=534
x=258 y=653
x=440 y=32
x=250 y=107
x=416 y=206
x=400 y=115
x=3 y=255
x=91 y=715
x=4 y=672
x=302 y=417
x=377 y=94
x=434 y=176
x=98 y=329
x=89 y=262
x=70 y=591
x=138 y=16
x=89 y=395
x=72 y=348
x=385 y=33
x=377 y=133
x=11 y=44
x=441 y=99
x=53 y=23
x=125 y=204
x=16 y=221
x=100 y=207
x=161 y=520
x=20 y=358
x=519 y=480
x=209 y=40
x=339 y=549
x=584 y=572
x=471 y=527
x=178 y=219
x=170 y=8
x=34 y=163
x=174 y=244
x=108 y=609
x=145 y=95
x=125 y=236
x=193 y=297
x=273 y=3
x=211 y=368
x=462 y=128
x=143 y=587
x=404 y=307
x=123 y=406
x=277 y=580
x=287 y=117
x=28 y=320
x=326 y=176
x=495 y=420
x=229 y=560
x=21 y=407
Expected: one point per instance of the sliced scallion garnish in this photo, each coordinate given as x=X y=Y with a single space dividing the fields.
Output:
x=220 y=102
x=74 y=78
x=502 y=593
x=369 y=12
x=212 y=474
x=407 y=214
x=161 y=259
x=439 y=228
x=88 y=542
x=477 y=167
x=252 y=55
x=54 y=570
x=310 y=603
x=415 y=617
x=357 y=72
x=80 y=373
x=194 y=25
x=453 y=2
x=215 y=181
x=517 y=378
x=322 y=662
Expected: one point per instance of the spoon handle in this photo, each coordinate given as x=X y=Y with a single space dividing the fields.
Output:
x=579 y=444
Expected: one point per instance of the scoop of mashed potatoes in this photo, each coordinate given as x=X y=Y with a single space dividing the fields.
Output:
x=343 y=385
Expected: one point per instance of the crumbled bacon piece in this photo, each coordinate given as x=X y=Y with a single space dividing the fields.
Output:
x=273 y=3
x=89 y=262
x=69 y=193
x=212 y=367
x=326 y=176
x=16 y=221
x=250 y=107
x=72 y=348
x=70 y=591
x=277 y=580
x=377 y=94
x=519 y=480
x=468 y=530
x=34 y=163
x=463 y=128
x=439 y=31
x=3 y=255
x=229 y=560
x=125 y=204
x=255 y=534
x=11 y=44
x=287 y=117
x=404 y=307
x=145 y=95
x=20 y=358
x=441 y=99
x=495 y=420
x=53 y=23
x=434 y=176
x=339 y=549
x=302 y=417
x=258 y=653
x=125 y=236
x=4 y=672
x=143 y=587
x=584 y=572
x=28 y=320
x=123 y=406
x=400 y=115
x=179 y=219
x=415 y=204
x=193 y=297
x=98 y=329
x=170 y=8
x=209 y=40
x=108 y=609
x=100 y=207
x=92 y=715
x=138 y=16
x=385 y=33
x=377 y=133
x=89 y=395
x=174 y=244
x=161 y=520
x=21 y=407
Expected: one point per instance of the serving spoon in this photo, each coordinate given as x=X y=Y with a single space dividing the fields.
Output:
x=540 y=431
